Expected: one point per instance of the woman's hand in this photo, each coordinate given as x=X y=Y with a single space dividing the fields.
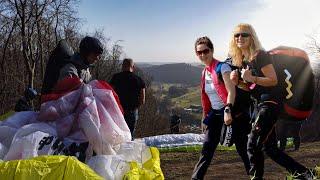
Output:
x=246 y=75
x=234 y=77
x=227 y=118
x=203 y=127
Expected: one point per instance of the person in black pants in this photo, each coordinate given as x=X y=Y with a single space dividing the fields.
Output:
x=175 y=121
x=286 y=128
x=131 y=90
x=259 y=74
x=218 y=99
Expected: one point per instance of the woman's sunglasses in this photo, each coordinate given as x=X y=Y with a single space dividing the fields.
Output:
x=206 y=51
x=242 y=35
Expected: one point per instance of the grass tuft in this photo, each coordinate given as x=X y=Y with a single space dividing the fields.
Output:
x=194 y=148
x=6 y=115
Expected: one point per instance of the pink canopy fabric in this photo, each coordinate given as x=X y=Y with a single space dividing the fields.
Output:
x=75 y=112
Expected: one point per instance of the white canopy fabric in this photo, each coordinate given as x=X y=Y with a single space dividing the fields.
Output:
x=88 y=114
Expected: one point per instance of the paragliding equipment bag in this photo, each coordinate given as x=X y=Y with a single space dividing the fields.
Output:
x=226 y=135
x=59 y=57
x=295 y=82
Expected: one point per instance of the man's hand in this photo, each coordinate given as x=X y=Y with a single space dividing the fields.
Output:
x=142 y=96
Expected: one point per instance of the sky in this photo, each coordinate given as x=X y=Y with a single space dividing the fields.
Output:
x=165 y=30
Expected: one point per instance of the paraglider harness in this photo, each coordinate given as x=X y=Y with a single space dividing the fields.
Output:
x=24 y=103
x=294 y=91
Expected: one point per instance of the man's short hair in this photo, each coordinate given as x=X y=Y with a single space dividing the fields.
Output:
x=127 y=62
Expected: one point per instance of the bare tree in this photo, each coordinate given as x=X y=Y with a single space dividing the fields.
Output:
x=314 y=45
x=34 y=22
x=311 y=129
x=109 y=63
x=28 y=32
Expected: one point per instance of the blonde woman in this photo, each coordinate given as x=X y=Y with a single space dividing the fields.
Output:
x=258 y=75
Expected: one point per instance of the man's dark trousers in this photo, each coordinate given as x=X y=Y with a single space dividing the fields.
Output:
x=131 y=118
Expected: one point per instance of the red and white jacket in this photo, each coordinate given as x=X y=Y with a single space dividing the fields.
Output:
x=218 y=85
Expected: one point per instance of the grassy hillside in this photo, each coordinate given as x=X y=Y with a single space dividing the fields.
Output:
x=192 y=97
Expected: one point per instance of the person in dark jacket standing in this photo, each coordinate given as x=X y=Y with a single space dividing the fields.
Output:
x=131 y=91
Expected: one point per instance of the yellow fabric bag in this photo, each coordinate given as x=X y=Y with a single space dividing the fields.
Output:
x=150 y=170
x=47 y=168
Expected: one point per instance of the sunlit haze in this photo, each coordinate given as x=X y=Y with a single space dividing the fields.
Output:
x=165 y=31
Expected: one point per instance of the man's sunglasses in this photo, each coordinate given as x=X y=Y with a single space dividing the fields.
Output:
x=242 y=35
x=206 y=51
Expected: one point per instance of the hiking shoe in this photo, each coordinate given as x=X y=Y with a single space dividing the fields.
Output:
x=255 y=178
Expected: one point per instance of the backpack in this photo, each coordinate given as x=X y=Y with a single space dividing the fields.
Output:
x=295 y=81
x=226 y=135
x=58 y=59
x=295 y=86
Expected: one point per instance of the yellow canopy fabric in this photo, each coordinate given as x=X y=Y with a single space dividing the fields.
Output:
x=47 y=168
x=150 y=170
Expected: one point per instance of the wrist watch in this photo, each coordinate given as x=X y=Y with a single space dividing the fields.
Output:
x=227 y=110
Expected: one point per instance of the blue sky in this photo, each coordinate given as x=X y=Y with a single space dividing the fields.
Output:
x=165 y=30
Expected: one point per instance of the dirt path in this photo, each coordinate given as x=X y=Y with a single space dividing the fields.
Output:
x=228 y=165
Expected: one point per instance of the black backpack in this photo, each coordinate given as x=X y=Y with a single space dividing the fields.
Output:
x=59 y=57
x=295 y=81
x=295 y=86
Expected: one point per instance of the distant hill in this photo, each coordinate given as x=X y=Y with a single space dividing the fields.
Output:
x=175 y=73
x=151 y=63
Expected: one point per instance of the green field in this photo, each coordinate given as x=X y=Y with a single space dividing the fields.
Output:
x=194 y=148
x=190 y=98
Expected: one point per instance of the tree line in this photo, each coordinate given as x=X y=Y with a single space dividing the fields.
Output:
x=30 y=30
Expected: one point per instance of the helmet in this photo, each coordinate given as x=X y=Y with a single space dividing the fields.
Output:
x=90 y=45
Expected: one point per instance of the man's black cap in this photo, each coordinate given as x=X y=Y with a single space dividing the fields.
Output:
x=90 y=45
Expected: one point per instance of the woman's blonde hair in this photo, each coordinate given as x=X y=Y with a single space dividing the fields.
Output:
x=235 y=52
